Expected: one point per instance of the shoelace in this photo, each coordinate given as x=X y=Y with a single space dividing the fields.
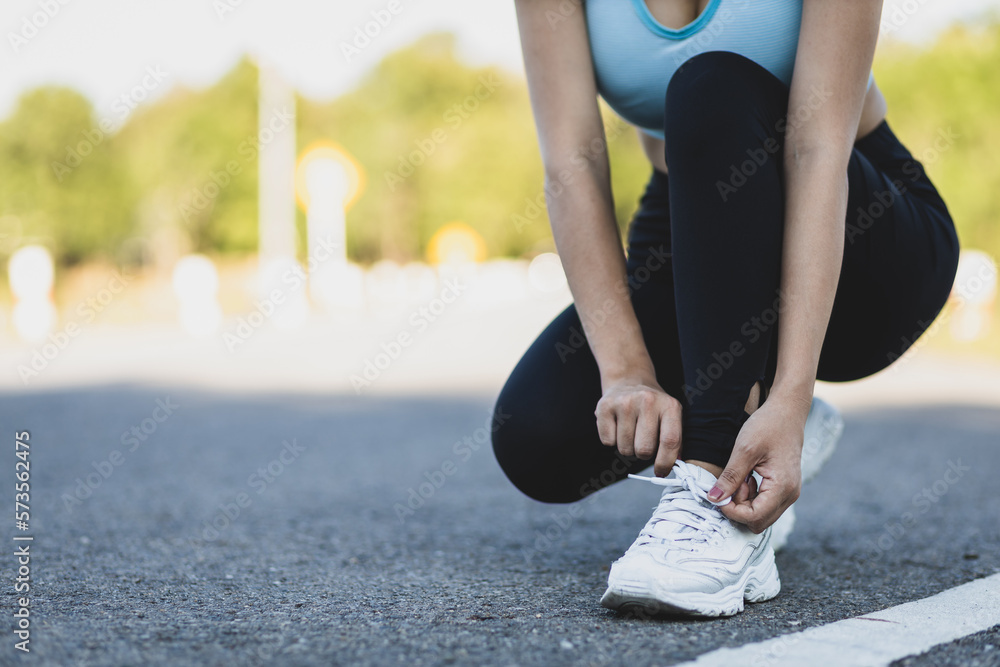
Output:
x=684 y=514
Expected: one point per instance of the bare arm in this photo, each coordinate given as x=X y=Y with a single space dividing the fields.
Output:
x=835 y=52
x=635 y=414
x=836 y=47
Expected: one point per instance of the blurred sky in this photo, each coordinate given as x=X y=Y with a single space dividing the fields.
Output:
x=103 y=47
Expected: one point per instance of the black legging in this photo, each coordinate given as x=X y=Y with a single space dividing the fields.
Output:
x=704 y=259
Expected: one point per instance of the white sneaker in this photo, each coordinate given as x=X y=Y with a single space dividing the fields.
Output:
x=823 y=428
x=689 y=558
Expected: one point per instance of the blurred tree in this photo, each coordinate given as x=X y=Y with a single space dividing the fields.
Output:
x=58 y=175
x=944 y=103
x=439 y=141
x=193 y=156
x=443 y=142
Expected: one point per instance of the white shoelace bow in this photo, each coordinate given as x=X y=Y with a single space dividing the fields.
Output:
x=684 y=514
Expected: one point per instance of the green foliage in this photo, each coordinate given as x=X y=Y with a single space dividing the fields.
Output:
x=59 y=176
x=439 y=141
x=952 y=89
x=177 y=152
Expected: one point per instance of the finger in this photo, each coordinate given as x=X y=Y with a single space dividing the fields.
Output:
x=740 y=513
x=647 y=428
x=743 y=494
x=741 y=463
x=669 y=445
x=625 y=422
x=760 y=513
x=606 y=427
x=746 y=493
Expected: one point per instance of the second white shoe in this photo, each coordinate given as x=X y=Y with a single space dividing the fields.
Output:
x=689 y=559
x=823 y=428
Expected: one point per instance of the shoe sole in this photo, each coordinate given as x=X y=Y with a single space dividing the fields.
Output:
x=760 y=582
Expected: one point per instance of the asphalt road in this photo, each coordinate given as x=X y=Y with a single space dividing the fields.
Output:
x=140 y=557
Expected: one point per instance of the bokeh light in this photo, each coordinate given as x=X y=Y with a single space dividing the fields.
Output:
x=31 y=273
x=327 y=160
x=34 y=319
x=976 y=287
x=546 y=273
x=456 y=243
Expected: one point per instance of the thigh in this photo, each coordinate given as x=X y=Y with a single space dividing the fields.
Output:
x=900 y=258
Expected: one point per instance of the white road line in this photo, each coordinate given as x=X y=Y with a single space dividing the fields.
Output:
x=878 y=638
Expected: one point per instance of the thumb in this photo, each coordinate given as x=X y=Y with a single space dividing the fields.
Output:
x=740 y=465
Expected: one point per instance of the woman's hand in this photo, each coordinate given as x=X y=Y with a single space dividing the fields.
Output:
x=642 y=420
x=770 y=442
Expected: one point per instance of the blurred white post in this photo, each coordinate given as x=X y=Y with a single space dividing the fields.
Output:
x=196 y=285
x=327 y=183
x=329 y=180
x=276 y=173
x=31 y=273
x=277 y=265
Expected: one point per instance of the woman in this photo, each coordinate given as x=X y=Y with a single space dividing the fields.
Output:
x=785 y=235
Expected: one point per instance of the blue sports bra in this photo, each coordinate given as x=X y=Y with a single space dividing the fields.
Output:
x=635 y=56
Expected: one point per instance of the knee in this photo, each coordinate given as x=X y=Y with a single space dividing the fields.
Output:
x=714 y=91
x=710 y=77
x=514 y=440
x=527 y=452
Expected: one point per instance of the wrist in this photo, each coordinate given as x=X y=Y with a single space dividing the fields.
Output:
x=798 y=397
x=793 y=384
x=638 y=371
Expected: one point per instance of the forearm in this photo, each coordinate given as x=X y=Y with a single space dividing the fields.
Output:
x=836 y=47
x=815 y=210
x=586 y=235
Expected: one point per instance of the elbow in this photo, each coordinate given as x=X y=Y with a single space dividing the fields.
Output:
x=586 y=159
x=805 y=151
x=800 y=154
x=560 y=179
x=568 y=176
x=825 y=160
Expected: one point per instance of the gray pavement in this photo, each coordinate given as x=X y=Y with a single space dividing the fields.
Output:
x=978 y=650
x=147 y=562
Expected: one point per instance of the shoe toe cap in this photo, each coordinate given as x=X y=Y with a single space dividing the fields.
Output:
x=643 y=572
